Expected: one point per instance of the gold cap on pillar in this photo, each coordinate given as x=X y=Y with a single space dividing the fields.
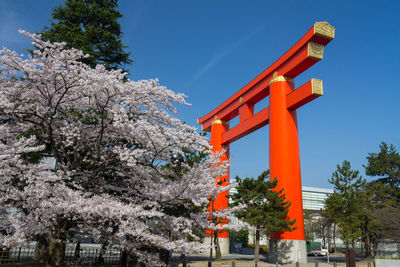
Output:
x=280 y=78
x=324 y=29
x=220 y=122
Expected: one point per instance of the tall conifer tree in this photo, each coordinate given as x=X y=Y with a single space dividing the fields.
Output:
x=386 y=166
x=91 y=26
x=346 y=206
x=266 y=208
x=385 y=190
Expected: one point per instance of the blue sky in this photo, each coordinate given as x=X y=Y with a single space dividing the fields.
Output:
x=210 y=49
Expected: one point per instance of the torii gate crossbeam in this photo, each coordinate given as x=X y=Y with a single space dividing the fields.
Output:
x=277 y=82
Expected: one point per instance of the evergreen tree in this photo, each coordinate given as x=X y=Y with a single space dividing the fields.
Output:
x=91 y=26
x=350 y=206
x=386 y=165
x=385 y=191
x=266 y=209
x=241 y=236
x=343 y=206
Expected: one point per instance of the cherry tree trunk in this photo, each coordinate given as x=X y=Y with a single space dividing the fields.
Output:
x=56 y=254
x=218 y=255
x=100 y=259
x=41 y=254
x=128 y=260
x=57 y=244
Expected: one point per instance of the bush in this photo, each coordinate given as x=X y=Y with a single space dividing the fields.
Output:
x=241 y=236
x=262 y=248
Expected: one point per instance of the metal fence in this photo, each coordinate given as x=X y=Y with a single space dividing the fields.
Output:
x=85 y=256
x=16 y=255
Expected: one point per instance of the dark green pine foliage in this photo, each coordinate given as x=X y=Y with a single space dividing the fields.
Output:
x=386 y=165
x=91 y=26
x=347 y=206
x=266 y=209
x=346 y=181
x=385 y=191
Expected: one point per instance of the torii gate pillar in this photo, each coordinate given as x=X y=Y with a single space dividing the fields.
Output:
x=284 y=164
x=218 y=128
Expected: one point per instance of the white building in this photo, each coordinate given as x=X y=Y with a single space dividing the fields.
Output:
x=314 y=197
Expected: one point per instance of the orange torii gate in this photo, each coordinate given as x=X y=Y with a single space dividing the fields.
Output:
x=284 y=157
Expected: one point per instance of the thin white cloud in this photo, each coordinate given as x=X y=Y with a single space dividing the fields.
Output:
x=214 y=60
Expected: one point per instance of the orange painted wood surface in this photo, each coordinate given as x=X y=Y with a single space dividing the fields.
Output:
x=221 y=201
x=292 y=63
x=284 y=159
x=284 y=156
x=301 y=96
x=246 y=111
x=246 y=127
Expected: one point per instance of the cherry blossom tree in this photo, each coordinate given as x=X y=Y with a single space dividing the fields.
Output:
x=111 y=138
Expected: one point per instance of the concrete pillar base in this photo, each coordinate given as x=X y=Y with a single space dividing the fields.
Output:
x=289 y=251
x=223 y=244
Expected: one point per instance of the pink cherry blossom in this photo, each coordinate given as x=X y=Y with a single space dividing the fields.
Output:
x=111 y=138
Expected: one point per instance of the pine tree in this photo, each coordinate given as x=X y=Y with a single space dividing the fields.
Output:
x=386 y=165
x=385 y=190
x=91 y=26
x=349 y=206
x=266 y=209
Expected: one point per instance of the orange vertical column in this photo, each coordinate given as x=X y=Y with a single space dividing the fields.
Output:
x=284 y=155
x=218 y=128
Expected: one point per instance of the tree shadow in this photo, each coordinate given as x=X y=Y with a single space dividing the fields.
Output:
x=280 y=251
